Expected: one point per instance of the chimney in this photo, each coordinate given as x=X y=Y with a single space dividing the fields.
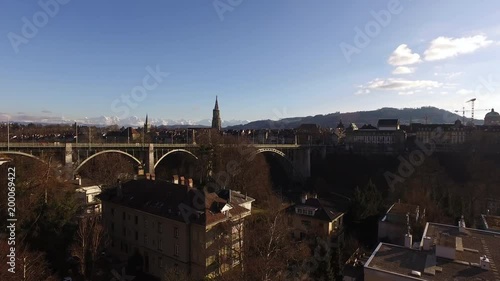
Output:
x=304 y=198
x=183 y=180
x=484 y=262
x=119 y=190
x=148 y=176
x=78 y=180
x=408 y=240
x=176 y=179
x=427 y=243
x=461 y=225
x=190 y=182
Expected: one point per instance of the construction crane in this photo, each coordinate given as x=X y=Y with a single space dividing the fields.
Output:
x=468 y=110
x=472 y=108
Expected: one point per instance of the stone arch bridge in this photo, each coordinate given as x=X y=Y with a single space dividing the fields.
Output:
x=75 y=156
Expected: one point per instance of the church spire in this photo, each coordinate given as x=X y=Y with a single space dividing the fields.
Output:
x=216 y=121
x=146 y=125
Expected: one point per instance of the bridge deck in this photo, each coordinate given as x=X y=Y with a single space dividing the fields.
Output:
x=134 y=145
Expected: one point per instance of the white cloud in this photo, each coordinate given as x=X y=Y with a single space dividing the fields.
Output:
x=447 y=47
x=464 y=92
x=448 y=75
x=406 y=93
x=403 y=70
x=401 y=85
x=403 y=56
x=362 y=92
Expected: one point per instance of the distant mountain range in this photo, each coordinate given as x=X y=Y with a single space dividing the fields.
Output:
x=132 y=121
x=430 y=115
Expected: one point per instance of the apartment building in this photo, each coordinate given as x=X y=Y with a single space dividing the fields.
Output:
x=172 y=225
x=446 y=252
x=393 y=226
x=86 y=195
x=316 y=217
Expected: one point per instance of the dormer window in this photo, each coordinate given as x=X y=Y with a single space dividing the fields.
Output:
x=307 y=211
x=225 y=209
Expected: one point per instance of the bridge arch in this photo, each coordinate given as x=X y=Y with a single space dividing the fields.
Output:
x=272 y=150
x=106 y=151
x=290 y=164
x=174 y=151
x=22 y=154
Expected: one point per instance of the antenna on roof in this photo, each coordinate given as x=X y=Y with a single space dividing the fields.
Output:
x=408 y=236
x=408 y=222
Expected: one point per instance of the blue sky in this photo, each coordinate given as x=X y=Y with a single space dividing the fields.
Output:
x=264 y=59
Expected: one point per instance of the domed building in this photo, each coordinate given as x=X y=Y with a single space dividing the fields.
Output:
x=492 y=118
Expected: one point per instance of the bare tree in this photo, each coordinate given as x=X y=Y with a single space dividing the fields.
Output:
x=270 y=250
x=90 y=239
x=107 y=168
x=29 y=265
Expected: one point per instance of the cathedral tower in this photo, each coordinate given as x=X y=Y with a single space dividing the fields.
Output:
x=216 y=121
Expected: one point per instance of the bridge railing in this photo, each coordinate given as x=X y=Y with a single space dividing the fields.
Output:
x=29 y=144
x=134 y=145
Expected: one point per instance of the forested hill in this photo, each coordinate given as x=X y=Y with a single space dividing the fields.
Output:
x=431 y=115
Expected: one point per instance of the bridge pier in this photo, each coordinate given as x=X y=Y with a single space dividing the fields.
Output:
x=150 y=159
x=68 y=156
x=323 y=152
x=301 y=160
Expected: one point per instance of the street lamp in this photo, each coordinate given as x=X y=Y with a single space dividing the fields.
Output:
x=8 y=132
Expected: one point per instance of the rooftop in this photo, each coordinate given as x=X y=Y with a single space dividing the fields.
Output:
x=470 y=245
x=388 y=122
x=492 y=222
x=174 y=201
x=402 y=209
x=324 y=209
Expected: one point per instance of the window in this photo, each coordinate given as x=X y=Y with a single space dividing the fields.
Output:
x=124 y=231
x=306 y=223
x=160 y=227
x=113 y=212
x=145 y=222
x=176 y=232
x=160 y=262
x=302 y=211
x=112 y=227
x=136 y=220
x=160 y=244
x=145 y=239
x=136 y=236
x=123 y=215
x=176 y=250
